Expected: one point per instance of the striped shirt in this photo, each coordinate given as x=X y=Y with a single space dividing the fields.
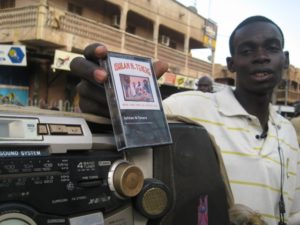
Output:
x=252 y=163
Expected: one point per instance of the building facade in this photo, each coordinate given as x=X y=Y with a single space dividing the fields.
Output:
x=287 y=92
x=160 y=29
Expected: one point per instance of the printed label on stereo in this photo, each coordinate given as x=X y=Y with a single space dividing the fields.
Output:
x=18 y=153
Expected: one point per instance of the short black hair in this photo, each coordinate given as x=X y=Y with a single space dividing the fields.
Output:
x=204 y=78
x=249 y=20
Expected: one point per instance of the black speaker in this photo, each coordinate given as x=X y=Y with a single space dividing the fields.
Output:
x=189 y=167
x=154 y=200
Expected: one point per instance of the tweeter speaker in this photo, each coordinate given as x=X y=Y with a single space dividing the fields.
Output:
x=154 y=200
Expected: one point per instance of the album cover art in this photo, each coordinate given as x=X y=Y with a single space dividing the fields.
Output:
x=134 y=102
x=136 y=88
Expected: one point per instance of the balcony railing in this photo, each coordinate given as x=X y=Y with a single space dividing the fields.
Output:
x=199 y=65
x=19 y=17
x=51 y=21
x=139 y=46
x=290 y=98
x=90 y=29
x=174 y=57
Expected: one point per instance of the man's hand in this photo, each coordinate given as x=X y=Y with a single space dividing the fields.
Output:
x=92 y=93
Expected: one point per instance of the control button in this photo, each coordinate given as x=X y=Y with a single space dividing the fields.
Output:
x=42 y=129
x=75 y=130
x=125 y=179
x=89 y=184
x=58 y=129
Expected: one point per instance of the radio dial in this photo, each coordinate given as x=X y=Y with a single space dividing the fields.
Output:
x=125 y=179
x=15 y=219
x=13 y=222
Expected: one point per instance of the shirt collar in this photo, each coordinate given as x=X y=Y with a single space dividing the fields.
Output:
x=274 y=116
x=228 y=104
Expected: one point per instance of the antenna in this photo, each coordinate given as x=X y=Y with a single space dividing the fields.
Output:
x=192 y=5
x=209 y=8
x=195 y=3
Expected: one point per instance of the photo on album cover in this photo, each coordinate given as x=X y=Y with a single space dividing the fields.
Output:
x=134 y=83
x=136 y=88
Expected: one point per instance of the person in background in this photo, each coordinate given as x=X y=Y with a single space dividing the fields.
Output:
x=259 y=147
x=205 y=84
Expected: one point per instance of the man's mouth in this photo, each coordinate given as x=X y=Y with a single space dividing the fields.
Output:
x=261 y=75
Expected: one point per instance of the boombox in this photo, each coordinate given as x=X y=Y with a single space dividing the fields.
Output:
x=55 y=171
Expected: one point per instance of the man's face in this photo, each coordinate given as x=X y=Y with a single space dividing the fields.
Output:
x=258 y=58
x=205 y=87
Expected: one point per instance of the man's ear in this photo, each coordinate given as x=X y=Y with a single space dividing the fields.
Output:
x=286 y=60
x=230 y=66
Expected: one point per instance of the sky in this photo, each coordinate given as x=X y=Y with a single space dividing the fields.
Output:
x=229 y=13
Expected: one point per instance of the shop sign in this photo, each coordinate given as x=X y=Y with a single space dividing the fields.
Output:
x=180 y=81
x=14 y=95
x=209 y=42
x=169 y=78
x=13 y=55
x=190 y=83
x=210 y=34
x=62 y=59
x=177 y=80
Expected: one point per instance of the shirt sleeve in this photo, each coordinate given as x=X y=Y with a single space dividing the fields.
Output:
x=169 y=105
x=296 y=123
x=294 y=217
x=295 y=210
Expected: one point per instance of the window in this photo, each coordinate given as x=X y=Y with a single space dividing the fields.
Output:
x=76 y=9
x=172 y=44
x=4 y=4
x=131 y=29
x=282 y=84
x=294 y=85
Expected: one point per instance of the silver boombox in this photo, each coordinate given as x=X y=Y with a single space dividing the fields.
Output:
x=55 y=171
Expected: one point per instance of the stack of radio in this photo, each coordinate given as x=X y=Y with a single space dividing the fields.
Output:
x=55 y=171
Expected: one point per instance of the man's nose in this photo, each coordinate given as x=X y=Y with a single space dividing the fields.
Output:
x=261 y=56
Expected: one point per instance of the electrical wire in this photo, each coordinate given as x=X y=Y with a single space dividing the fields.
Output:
x=281 y=198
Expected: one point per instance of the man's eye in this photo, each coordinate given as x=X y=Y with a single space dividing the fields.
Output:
x=273 y=48
x=245 y=51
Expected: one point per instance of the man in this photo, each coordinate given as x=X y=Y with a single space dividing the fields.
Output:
x=204 y=84
x=259 y=147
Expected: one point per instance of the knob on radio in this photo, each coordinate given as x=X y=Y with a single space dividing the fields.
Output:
x=15 y=219
x=125 y=179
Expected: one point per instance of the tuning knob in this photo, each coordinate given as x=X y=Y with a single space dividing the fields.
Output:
x=15 y=219
x=125 y=179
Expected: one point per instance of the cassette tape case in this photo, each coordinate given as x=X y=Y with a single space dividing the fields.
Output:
x=134 y=102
